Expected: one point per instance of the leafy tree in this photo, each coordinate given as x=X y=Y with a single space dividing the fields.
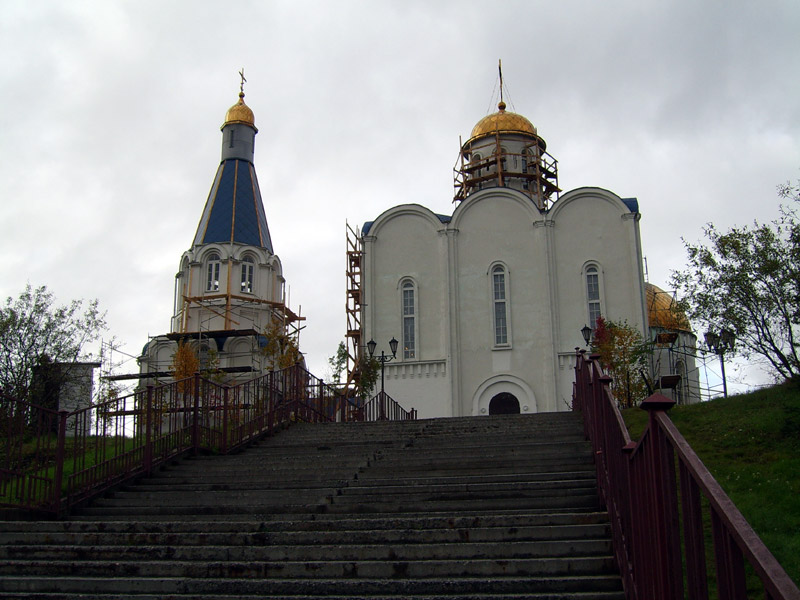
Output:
x=369 y=368
x=34 y=331
x=184 y=364
x=280 y=349
x=338 y=362
x=623 y=354
x=367 y=371
x=747 y=279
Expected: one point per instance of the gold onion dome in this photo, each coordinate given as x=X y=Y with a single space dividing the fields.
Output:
x=240 y=113
x=663 y=312
x=502 y=122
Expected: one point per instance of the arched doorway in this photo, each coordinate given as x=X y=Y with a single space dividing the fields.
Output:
x=504 y=404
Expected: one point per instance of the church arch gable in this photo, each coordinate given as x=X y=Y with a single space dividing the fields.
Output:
x=504 y=384
x=406 y=210
x=588 y=194
x=528 y=208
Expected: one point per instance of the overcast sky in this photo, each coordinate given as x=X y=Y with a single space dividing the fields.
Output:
x=109 y=129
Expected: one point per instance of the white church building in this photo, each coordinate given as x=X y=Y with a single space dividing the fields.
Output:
x=488 y=302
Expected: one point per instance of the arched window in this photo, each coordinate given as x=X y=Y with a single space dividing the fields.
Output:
x=409 y=319
x=212 y=274
x=500 y=305
x=247 y=275
x=593 y=295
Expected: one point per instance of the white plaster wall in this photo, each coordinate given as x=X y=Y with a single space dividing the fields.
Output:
x=594 y=225
x=424 y=385
x=495 y=226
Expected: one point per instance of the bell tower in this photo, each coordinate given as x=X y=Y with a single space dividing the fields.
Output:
x=229 y=292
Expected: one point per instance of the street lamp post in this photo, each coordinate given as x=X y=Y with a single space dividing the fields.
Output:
x=383 y=358
x=720 y=344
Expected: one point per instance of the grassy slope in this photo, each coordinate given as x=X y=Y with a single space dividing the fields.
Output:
x=751 y=444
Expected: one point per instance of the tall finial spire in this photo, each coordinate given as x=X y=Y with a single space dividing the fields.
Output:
x=241 y=85
x=500 y=71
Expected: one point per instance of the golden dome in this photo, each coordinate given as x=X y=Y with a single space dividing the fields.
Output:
x=663 y=312
x=503 y=122
x=240 y=113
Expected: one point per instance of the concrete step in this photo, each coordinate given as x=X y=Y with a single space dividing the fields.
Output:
x=312 y=550
x=613 y=595
x=536 y=534
x=588 y=585
x=312 y=569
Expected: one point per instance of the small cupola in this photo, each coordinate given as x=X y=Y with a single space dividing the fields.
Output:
x=239 y=130
x=505 y=150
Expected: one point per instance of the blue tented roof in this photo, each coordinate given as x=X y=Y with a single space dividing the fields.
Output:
x=234 y=211
x=632 y=204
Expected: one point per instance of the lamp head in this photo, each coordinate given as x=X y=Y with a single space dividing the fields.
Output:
x=712 y=340
x=371 y=346
x=586 y=332
x=393 y=345
x=728 y=338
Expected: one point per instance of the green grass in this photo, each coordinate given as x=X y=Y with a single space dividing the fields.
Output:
x=751 y=445
x=92 y=455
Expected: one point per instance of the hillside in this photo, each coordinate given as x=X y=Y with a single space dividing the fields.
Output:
x=751 y=444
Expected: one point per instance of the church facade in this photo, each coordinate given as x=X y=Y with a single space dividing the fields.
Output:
x=488 y=302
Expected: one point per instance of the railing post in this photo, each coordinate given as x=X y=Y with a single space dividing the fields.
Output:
x=148 y=430
x=58 y=478
x=696 y=573
x=196 y=415
x=666 y=569
x=225 y=420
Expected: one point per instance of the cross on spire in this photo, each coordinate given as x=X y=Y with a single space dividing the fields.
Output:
x=241 y=85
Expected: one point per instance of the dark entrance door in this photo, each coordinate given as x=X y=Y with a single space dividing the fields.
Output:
x=504 y=404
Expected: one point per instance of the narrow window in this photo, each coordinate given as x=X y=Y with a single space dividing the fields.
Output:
x=500 y=306
x=212 y=278
x=409 y=321
x=525 y=183
x=593 y=295
x=247 y=275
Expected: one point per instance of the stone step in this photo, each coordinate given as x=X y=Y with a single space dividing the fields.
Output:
x=295 y=537
x=346 y=550
x=313 y=523
x=197 y=494
x=290 y=588
x=313 y=569
x=612 y=595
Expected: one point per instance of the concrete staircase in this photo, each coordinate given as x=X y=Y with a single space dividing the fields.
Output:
x=489 y=507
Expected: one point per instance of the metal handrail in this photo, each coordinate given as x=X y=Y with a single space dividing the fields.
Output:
x=51 y=461
x=382 y=407
x=638 y=484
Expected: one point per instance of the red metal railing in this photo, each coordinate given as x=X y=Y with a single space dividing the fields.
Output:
x=638 y=484
x=385 y=408
x=51 y=461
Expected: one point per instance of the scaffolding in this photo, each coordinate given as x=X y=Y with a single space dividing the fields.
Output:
x=226 y=305
x=533 y=171
x=353 y=307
